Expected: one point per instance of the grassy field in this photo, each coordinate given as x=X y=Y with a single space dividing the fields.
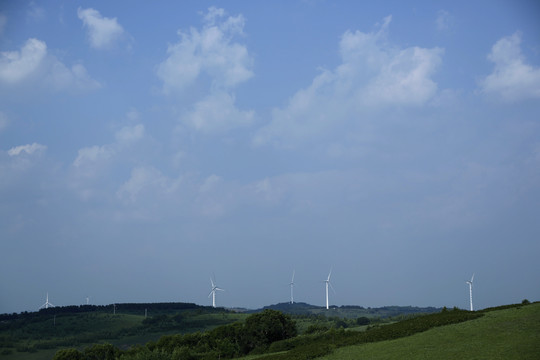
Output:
x=503 y=334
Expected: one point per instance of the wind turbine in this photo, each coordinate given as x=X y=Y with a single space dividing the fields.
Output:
x=327 y=283
x=47 y=303
x=292 y=285
x=213 y=292
x=470 y=290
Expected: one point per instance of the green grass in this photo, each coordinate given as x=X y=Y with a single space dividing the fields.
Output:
x=503 y=334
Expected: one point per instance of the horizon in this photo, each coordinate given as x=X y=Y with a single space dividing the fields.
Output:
x=144 y=148
x=233 y=308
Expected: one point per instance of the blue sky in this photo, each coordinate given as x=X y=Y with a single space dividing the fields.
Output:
x=146 y=146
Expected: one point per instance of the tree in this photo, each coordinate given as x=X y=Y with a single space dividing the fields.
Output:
x=362 y=321
x=101 y=352
x=264 y=328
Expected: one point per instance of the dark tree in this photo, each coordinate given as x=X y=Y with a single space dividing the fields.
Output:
x=268 y=326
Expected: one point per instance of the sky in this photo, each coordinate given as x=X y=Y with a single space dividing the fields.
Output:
x=148 y=146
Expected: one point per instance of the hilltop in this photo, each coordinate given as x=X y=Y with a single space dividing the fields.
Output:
x=348 y=311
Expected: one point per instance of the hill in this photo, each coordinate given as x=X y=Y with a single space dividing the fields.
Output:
x=37 y=335
x=507 y=334
x=349 y=311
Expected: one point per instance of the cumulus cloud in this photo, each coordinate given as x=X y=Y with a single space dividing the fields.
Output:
x=212 y=51
x=92 y=162
x=103 y=32
x=93 y=154
x=28 y=149
x=61 y=77
x=373 y=75
x=210 y=183
x=129 y=134
x=217 y=113
x=33 y=62
x=144 y=179
x=512 y=78
x=17 y=65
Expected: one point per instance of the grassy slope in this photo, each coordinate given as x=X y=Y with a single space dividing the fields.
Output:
x=504 y=334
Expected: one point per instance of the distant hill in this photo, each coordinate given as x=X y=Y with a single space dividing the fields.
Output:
x=124 y=308
x=348 y=311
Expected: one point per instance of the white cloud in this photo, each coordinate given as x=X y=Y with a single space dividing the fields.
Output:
x=28 y=149
x=210 y=183
x=144 y=179
x=17 y=65
x=444 y=20
x=103 y=32
x=93 y=154
x=211 y=50
x=33 y=62
x=217 y=113
x=61 y=77
x=129 y=134
x=512 y=78
x=373 y=75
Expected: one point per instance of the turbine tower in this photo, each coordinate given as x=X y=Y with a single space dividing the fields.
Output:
x=292 y=285
x=213 y=292
x=327 y=283
x=47 y=303
x=470 y=290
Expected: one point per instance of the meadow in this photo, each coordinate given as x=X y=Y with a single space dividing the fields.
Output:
x=503 y=334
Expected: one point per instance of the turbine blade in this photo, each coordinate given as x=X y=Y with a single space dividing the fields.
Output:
x=472 y=278
x=332 y=287
x=329 y=274
x=292 y=280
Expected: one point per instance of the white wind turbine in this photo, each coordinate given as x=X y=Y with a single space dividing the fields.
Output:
x=47 y=303
x=213 y=292
x=327 y=283
x=292 y=286
x=470 y=290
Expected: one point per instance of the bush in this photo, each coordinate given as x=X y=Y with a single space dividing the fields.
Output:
x=316 y=328
x=363 y=321
x=68 y=354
